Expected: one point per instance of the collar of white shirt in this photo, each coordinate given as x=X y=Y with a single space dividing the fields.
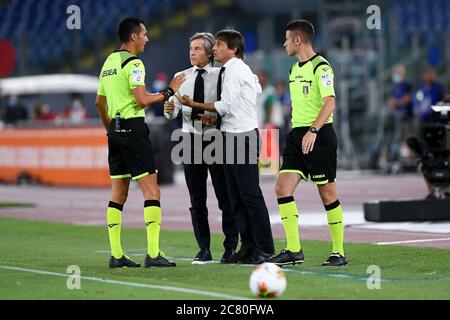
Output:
x=230 y=62
x=208 y=68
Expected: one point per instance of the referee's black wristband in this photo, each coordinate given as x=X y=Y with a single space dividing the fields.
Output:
x=168 y=92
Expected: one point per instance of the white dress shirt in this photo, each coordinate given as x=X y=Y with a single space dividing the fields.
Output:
x=237 y=106
x=187 y=88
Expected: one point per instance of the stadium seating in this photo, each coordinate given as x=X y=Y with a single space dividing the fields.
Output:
x=40 y=26
x=422 y=15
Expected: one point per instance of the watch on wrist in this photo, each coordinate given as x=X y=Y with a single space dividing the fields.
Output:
x=314 y=130
x=168 y=92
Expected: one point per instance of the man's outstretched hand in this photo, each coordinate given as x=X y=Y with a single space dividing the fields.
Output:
x=208 y=120
x=186 y=100
x=176 y=82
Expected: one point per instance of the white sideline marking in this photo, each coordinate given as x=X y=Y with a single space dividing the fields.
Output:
x=413 y=241
x=131 y=284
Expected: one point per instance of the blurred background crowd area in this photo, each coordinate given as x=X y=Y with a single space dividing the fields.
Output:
x=385 y=80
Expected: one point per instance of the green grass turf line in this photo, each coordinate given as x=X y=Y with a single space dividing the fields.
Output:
x=4 y=205
x=407 y=273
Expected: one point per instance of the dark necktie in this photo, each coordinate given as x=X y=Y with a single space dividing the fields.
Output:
x=219 y=93
x=199 y=95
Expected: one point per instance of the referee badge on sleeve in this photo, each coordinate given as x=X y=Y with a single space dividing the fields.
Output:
x=327 y=80
x=137 y=76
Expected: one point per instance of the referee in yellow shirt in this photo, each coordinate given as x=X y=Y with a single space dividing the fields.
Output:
x=121 y=99
x=311 y=146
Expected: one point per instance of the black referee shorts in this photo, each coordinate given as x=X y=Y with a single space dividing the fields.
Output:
x=320 y=164
x=130 y=150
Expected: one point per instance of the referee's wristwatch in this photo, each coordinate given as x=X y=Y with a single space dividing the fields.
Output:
x=314 y=130
x=167 y=93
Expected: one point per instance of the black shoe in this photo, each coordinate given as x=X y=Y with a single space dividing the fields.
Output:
x=254 y=258
x=159 y=261
x=229 y=257
x=267 y=255
x=335 y=260
x=203 y=257
x=244 y=253
x=286 y=257
x=122 y=262
x=431 y=196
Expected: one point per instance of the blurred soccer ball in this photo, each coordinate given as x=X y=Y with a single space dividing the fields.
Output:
x=268 y=280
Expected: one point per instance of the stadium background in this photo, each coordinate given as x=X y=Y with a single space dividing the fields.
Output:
x=414 y=33
x=35 y=41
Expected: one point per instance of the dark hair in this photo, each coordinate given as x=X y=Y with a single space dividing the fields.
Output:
x=303 y=27
x=233 y=39
x=127 y=27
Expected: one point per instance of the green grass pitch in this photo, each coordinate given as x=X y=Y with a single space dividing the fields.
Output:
x=29 y=249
